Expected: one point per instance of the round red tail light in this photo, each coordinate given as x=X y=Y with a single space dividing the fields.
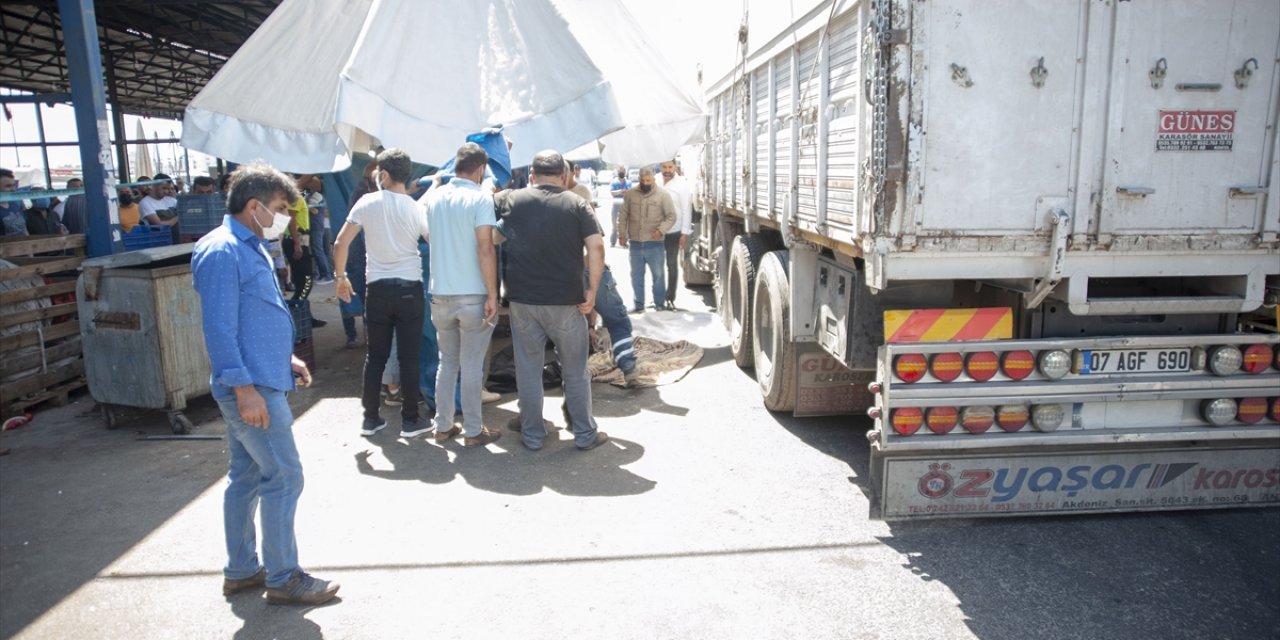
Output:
x=1274 y=411
x=1012 y=417
x=1251 y=410
x=1018 y=364
x=982 y=366
x=977 y=419
x=941 y=420
x=907 y=420
x=1257 y=357
x=909 y=367
x=946 y=366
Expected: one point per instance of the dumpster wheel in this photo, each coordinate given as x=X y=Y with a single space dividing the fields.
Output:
x=181 y=425
x=109 y=416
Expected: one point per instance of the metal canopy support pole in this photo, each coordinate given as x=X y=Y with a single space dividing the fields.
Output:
x=44 y=147
x=117 y=123
x=84 y=61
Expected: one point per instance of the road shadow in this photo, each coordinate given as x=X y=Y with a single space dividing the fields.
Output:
x=506 y=466
x=262 y=620
x=1103 y=576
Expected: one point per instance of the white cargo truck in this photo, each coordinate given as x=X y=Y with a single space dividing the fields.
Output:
x=1035 y=240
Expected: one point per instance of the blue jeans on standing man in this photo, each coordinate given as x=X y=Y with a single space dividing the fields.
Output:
x=264 y=467
x=652 y=255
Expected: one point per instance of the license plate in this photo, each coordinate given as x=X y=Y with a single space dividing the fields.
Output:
x=1136 y=361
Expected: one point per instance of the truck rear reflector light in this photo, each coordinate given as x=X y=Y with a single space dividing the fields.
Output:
x=1055 y=364
x=1251 y=410
x=1274 y=411
x=1256 y=359
x=906 y=420
x=982 y=365
x=909 y=367
x=1225 y=361
x=1018 y=364
x=941 y=420
x=1048 y=417
x=977 y=419
x=1218 y=412
x=1012 y=417
x=946 y=366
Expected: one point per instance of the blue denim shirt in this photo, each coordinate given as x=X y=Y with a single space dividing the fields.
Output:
x=247 y=328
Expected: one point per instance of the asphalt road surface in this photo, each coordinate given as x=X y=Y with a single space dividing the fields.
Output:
x=705 y=517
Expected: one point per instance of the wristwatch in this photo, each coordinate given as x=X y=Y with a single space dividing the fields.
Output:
x=339 y=277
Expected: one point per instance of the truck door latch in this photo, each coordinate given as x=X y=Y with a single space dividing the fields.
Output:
x=1244 y=73
x=1057 y=256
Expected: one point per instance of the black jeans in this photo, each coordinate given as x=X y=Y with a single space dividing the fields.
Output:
x=671 y=244
x=299 y=269
x=393 y=307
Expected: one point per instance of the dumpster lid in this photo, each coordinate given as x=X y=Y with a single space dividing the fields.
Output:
x=141 y=257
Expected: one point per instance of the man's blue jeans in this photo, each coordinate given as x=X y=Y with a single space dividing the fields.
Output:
x=613 y=313
x=464 y=336
x=652 y=255
x=264 y=468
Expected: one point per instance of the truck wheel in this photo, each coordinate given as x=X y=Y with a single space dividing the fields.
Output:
x=743 y=262
x=772 y=347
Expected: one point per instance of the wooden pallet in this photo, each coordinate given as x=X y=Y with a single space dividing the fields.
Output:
x=57 y=367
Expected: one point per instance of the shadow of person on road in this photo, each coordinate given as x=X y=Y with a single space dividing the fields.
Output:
x=417 y=459
x=262 y=620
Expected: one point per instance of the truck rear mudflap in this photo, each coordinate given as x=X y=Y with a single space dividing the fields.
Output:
x=999 y=427
x=963 y=483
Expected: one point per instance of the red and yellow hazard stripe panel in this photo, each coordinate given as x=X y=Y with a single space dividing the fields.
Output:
x=948 y=325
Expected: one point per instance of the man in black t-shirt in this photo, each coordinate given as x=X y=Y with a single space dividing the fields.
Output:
x=544 y=229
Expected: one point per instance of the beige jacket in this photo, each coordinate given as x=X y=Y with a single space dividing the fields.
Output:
x=643 y=213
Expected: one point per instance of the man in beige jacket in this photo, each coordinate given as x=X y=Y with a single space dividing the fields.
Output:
x=647 y=214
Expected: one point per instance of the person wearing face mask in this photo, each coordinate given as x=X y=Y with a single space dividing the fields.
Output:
x=130 y=214
x=248 y=333
x=646 y=216
x=394 y=302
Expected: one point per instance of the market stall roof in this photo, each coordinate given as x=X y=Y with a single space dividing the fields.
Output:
x=158 y=54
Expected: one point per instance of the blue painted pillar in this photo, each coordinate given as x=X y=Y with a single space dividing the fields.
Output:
x=88 y=96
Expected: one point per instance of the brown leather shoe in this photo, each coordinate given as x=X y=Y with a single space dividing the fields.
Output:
x=302 y=588
x=486 y=436
x=231 y=587
x=601 y=438
x=444 y=437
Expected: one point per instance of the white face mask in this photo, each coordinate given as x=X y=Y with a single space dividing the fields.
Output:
x=377 y=180
x=279 y=222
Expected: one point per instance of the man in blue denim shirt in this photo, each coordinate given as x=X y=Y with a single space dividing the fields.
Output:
x=249 y=334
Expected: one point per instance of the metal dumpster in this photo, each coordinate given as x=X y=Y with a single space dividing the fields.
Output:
x=140 y=325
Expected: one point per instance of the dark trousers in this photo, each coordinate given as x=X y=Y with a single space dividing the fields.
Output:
x=671 y=244
x=299 y=270
x=393 y=307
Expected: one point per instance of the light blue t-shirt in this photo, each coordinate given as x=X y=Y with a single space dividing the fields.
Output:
x=454 y=212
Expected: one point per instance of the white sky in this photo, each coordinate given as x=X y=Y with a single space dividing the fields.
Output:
x=688 y=32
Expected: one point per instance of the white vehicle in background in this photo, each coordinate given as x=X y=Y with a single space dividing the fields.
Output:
x=1037 y=241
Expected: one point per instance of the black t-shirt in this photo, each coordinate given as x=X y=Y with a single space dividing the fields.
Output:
x=545 y=228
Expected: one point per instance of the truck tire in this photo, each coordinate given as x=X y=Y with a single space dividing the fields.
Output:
x=739 y=291
x=772 y=347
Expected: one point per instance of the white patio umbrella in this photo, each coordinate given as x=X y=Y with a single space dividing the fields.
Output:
x=423 y=74
x=143 y=154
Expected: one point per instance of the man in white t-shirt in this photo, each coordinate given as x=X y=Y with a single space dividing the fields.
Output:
x=159 y=198
x=392 y=223
x=676 y=239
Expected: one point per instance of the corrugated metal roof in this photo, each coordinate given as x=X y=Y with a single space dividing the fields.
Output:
x=157 y=54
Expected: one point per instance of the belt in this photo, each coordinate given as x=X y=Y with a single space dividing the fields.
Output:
x=396 y=282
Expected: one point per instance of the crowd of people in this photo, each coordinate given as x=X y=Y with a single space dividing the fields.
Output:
x=430 y=277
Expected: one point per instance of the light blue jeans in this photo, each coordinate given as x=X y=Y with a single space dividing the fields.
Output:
x=649 y=254
x=264 y=468
x=464 y=340
x=531 y=326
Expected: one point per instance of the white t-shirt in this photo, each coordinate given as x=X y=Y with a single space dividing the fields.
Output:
x=392 y=223
x=682 y=197
x=149 y=206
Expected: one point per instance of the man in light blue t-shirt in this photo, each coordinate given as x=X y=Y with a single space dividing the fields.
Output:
x=464 y=292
